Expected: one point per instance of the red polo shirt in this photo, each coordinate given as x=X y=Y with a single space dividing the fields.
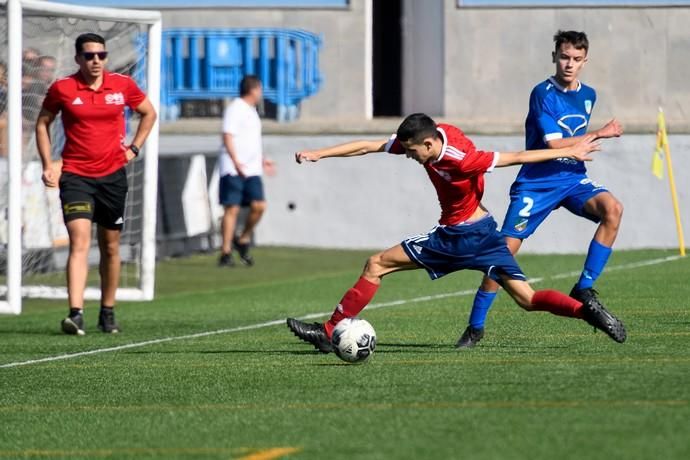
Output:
x=93 y=121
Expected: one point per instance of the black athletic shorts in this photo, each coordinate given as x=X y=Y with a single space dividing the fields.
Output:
x=99 y=199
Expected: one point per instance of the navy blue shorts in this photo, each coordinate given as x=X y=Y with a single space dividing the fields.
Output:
x=476 y=246
x=529 y=208
x=240 y=191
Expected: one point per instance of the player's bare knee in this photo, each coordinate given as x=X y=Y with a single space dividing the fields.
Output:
x=79 y=244
x=614 y=212
x=374 y=266
x=79 y=248
x=111 y=249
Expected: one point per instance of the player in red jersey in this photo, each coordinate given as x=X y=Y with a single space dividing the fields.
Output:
x=466 y=237
x=93 y=180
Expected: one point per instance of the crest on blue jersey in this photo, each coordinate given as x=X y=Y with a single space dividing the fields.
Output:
x=573 y=123
x=588 y=106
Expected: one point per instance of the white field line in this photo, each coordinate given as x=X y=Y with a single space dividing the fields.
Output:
x=393 y=303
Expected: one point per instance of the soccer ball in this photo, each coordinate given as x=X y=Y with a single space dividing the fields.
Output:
x=354 y=340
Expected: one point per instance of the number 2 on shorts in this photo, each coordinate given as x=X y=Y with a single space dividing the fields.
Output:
x=529 y=202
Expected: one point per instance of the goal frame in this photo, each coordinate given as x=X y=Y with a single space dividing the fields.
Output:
x=14 y=291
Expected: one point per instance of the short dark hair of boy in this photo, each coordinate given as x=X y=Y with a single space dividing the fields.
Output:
x=577 y=39
x=416 y=128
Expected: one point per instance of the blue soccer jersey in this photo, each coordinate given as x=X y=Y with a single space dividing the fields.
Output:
x=555 y=113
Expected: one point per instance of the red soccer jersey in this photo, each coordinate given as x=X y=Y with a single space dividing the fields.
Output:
x=457 y=174
x=93 y=121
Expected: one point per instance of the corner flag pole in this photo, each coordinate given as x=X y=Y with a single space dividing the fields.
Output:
x=671 y=180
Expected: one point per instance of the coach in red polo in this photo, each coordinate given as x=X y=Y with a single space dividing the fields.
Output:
x=93 y=180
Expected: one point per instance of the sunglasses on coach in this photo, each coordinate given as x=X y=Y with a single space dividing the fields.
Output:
x=89 y=56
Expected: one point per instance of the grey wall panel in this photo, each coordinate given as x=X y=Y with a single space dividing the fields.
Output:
x=639 y=59
x=374 y=201
x=423 y=57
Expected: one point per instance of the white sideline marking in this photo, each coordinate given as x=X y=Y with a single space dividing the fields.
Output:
x=393 y=303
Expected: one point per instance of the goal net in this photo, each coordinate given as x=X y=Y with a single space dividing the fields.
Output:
x=36 y=47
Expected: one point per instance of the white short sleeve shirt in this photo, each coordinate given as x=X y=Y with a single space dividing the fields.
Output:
x=242 y=121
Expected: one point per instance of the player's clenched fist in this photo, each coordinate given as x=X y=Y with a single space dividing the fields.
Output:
x=50 y=177
x=306 y=156
x=611 y=129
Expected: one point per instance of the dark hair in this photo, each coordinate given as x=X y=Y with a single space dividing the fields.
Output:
x=577 y=39
x=416 y=128
x=87 y=38
x=248 y=83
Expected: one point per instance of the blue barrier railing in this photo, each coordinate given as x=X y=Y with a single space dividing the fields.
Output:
x=207 y=64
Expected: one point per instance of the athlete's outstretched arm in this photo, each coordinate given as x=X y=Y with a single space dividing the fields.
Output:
x=579 y=151
x=349 y=149
x=611 y=129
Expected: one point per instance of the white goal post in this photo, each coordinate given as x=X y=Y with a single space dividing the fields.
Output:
x=13 y=289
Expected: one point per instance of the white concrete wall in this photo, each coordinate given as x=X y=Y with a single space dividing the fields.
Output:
x=376 y=200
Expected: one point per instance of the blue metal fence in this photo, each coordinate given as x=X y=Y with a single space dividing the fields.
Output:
x=207 y=64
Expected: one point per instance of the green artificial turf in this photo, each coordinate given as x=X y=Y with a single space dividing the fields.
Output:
x=538 y=386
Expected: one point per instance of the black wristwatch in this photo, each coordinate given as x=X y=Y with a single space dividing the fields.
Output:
x=134 y=149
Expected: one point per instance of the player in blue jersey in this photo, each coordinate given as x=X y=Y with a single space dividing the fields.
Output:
x=559 y=111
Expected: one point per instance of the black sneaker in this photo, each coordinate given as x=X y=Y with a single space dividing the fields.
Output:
x=226 y=260
x=243 y=251
x=314 y=333
x=597 y=315
x=470 y=338
x=73 y=325
x=106 y=321
x=585 y=295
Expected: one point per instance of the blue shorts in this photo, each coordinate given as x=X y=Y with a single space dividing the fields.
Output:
x=529 y=208
x=240 y=191
x=476 y=246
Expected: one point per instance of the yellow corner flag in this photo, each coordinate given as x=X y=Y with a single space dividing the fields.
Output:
x=658 y=164
x=658 y=158
x=663 y=151
x=661 y=146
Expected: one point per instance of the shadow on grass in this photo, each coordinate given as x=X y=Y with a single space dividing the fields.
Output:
x=395 y=347
x=222 y=352
x=522 y=348
x=382 y=347
x=337 y=364
x=45 y=332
